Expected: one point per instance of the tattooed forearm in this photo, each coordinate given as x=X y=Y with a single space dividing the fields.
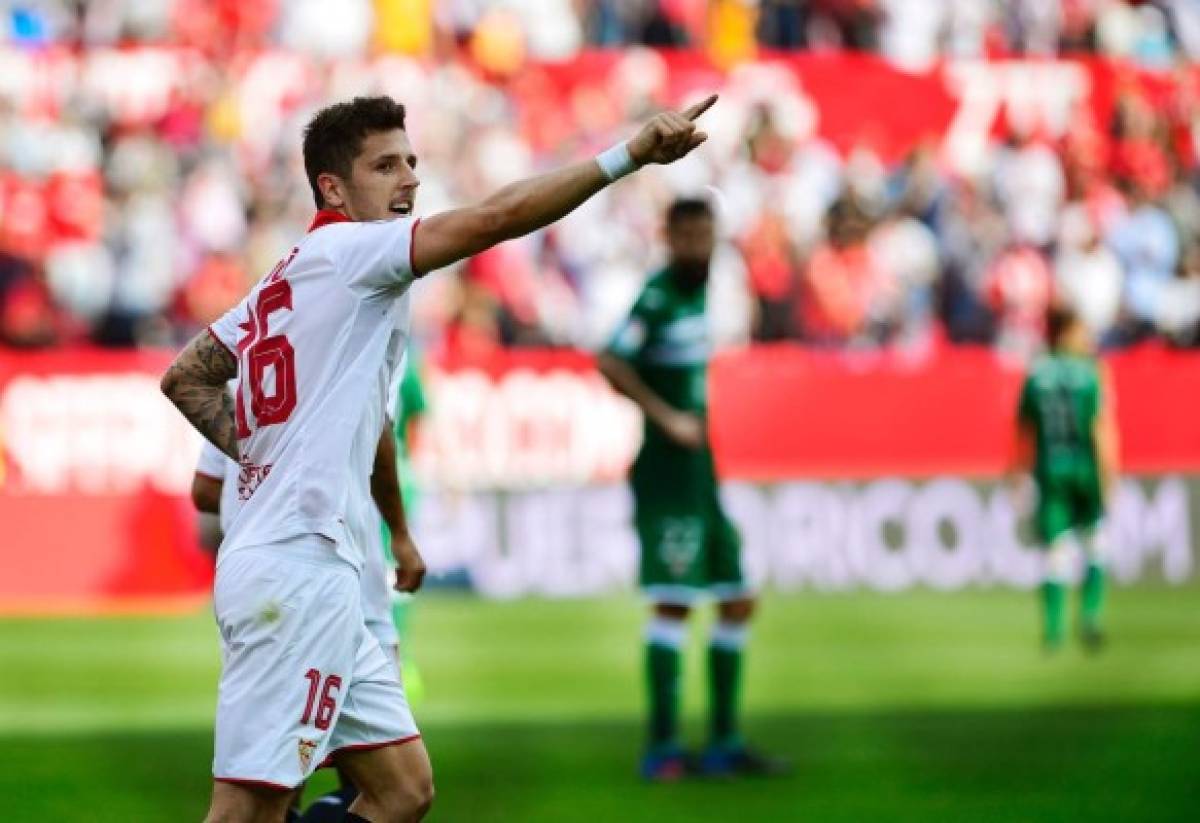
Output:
x=195 y=383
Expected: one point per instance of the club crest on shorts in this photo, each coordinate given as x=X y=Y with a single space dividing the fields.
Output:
x=305 y=748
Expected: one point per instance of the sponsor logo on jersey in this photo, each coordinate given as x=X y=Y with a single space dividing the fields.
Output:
x=250 y=478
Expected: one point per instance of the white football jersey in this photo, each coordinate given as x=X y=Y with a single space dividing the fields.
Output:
x=376 y=577
x=377 y=573
x=317 y=342
x=214 y=464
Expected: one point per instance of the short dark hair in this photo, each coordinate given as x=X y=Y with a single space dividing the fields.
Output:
x=1060 y=317
x=333 y=138
x=688 y=208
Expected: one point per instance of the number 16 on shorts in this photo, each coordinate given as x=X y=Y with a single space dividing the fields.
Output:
x=324 y=700
x=326 y=706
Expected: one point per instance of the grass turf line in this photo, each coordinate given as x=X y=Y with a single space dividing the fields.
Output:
x=909 y=706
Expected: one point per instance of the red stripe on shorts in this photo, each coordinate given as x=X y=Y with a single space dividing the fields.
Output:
x=258 y=784
x=366 y=747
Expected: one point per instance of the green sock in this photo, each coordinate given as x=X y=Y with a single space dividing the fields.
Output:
x=1092 y=596
x=725 y=682
x=662 y=677
x=1054 y=599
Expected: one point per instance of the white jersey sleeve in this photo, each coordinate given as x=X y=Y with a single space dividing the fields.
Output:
x=225 y=328
x=376 y=258
x=212 y=462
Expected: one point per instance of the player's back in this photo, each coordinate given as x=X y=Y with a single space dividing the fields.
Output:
x=1061 y=400
x=316 y=341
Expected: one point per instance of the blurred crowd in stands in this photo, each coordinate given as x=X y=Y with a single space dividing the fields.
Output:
x=159 y=224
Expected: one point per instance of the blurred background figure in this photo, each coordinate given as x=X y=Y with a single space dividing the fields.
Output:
x=690 y=550
x=1067 y=443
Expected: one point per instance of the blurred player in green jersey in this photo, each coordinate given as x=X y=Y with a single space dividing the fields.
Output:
x=689 y=548
x=409 y=406
x=1067 y=440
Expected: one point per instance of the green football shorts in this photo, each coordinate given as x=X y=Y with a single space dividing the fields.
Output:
x=1065 y=504
x=687 y=554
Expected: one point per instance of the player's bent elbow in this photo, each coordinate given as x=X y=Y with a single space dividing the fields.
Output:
x=608 y=366
x=169 y=383
x=206 y=494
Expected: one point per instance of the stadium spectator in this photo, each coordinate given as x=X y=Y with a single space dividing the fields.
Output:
x=27 y=314
x=1087 y=274
x=1019 y=289
x=1179 y=319
x=905 y=250
x=846 y=295
x=1147 y=244
x=144 y=203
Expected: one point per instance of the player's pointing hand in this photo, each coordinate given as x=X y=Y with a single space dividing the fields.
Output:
x=670 y=135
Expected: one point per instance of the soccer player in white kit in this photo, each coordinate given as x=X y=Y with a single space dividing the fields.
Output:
x=215 y=491
x=312 y=346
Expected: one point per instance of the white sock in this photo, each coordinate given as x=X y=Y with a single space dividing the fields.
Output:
x=1059 y=560
x=664 y=631
x=729 y=636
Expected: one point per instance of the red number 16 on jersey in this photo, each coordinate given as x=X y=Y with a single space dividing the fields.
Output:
x=260 y=351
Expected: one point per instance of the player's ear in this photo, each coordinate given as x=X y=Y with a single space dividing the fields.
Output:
x=332 y=190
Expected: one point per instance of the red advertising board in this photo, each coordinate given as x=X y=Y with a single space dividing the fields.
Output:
x=94 y=468
x=788 y=411
x=95 y=465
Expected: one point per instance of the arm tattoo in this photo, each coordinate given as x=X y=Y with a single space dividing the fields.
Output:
x=195 y=383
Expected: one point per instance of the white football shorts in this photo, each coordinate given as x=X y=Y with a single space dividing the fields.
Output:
x=302 y=677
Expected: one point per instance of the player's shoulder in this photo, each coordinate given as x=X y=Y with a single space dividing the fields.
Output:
x=1080 y=369
x=334 y=248
x=331 y=236
x=1041 y=368
x=656 y=293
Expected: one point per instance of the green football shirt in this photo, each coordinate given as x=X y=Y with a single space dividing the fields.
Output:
x=666 y=340
x=1061 y=400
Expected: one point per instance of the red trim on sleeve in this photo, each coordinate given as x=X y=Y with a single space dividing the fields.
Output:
x=412 y=242
x=222 y=342
x=257 y=784
x=366 y=747
x=326 y=216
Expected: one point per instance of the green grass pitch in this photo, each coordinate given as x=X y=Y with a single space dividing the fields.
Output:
x=918 y=706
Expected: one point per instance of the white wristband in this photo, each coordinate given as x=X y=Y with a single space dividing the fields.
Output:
x=616 y=162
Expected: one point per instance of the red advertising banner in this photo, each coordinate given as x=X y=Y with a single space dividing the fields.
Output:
x=95 y=465
x=786 y=411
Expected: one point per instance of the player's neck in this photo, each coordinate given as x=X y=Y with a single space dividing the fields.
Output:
x=325 y=216
x=687 y=280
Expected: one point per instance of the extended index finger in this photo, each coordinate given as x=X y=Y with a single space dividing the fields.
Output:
x=695 y=110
